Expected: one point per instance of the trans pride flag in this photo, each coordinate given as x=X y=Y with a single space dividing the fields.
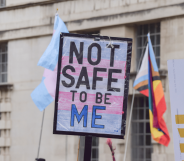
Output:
x=149 y=84
x=44 y=93
x=49 y=58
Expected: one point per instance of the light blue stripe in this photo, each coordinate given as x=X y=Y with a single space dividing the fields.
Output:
x=43 y=79
x=41 y=97
x=49 y=58
x=120 y=54
x=152 y=55
x=111 y=122
x=143 y=78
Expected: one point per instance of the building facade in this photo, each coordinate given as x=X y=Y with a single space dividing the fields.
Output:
x=26 y=28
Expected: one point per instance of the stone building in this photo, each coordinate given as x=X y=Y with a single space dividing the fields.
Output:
x=26 y=28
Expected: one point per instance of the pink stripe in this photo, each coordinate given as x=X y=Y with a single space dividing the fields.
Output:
x=50 y=81
x=65 y=102
x=103 y=64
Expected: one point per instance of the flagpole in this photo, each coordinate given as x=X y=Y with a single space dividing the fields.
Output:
x=40 y=134
x=78 y=149
x=131 y=109
x=126 y=144
x=66 y=147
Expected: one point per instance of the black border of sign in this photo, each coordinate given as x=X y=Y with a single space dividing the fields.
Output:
x=126 y=86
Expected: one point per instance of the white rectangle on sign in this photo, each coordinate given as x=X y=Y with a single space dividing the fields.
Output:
x=91 y=86
x=176 y=89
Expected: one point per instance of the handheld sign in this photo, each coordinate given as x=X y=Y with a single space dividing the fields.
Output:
x=92 y=85
x=176 y=90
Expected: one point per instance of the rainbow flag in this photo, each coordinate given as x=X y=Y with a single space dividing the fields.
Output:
x=149 y=84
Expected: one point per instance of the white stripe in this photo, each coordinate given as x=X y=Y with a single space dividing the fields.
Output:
x=101 y=86
x=144 y=66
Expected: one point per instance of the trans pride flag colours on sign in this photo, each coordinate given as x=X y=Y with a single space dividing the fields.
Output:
x=91 y=86
x=148 y=83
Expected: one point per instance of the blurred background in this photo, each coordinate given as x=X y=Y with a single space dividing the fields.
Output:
x=26 y=28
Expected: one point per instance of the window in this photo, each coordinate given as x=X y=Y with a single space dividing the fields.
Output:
x=143 y=30
x=94 y=149
x=3 y=62
x=2 y=3
x=141 y=136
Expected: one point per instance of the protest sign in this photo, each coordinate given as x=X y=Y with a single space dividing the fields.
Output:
x=92 y=85
x=176 y=89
